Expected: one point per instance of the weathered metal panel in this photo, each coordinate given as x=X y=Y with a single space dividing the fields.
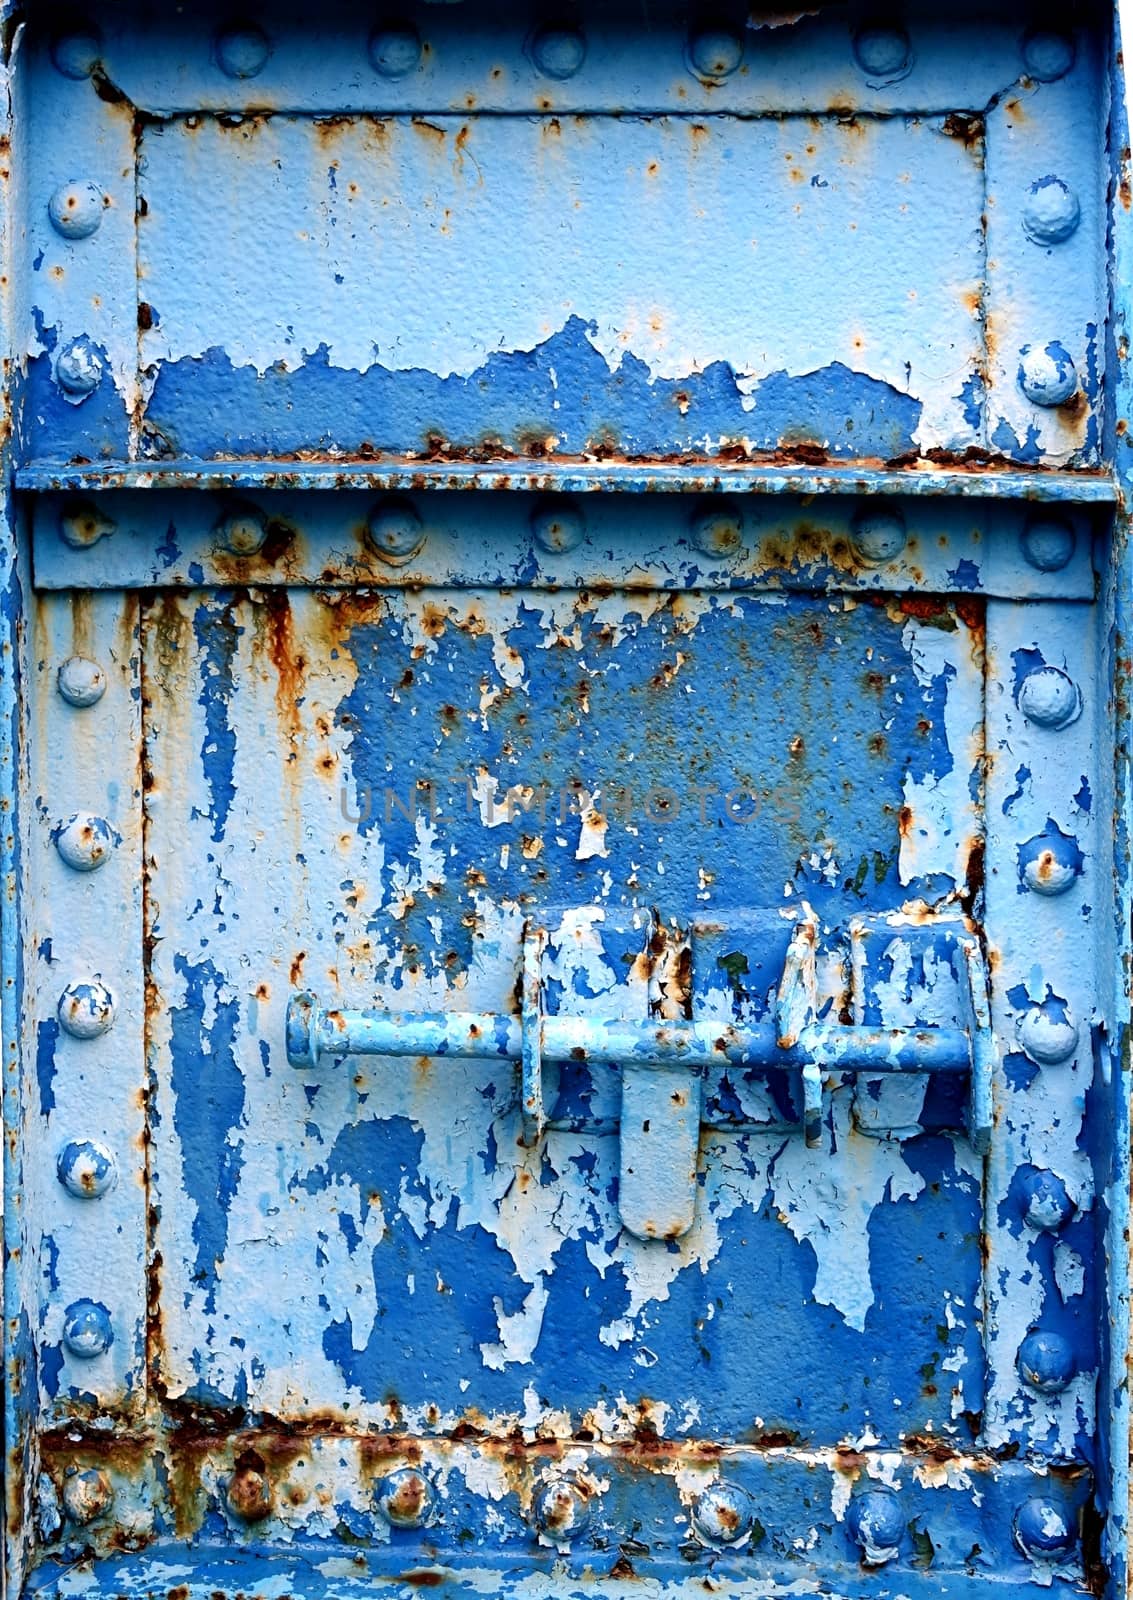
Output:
x=663 y=285
x=855 y=545
x=555 y=1037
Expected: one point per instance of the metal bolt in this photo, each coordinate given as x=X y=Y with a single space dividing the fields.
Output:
x=1048 y=542
x=878 y=534
x=1043 y=1530
x=1047 y=1205
x=81 y=681
x=717 y=529
x=558 y=52
x=394 y=530
x=558 y=525
x=86 y=1494
x=723 y=1514
x=249 y=1492
x=1048 y=55
x=1051 y=862
x=86 y=841
x=78 y=370
x=242 y=52
x=76 y=54
x=76 y=209
x=406 y=1498
x=1047 y=375
x=1048 y=1035
x=242 y=531
x=1050 y=698
x=715 y=53
x=395 y=50
x=87 y=1331
x=561 y=1509
x=86 y=1009
x=1051 y=213
x=883 y=54
x=86 y=1169
x=877 y=1524
x=82 y=524
x=1046 y=1362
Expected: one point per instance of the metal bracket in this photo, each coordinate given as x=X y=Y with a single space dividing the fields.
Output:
x=658 y=1200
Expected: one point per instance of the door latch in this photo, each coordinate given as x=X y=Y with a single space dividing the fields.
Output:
x=663 y=1062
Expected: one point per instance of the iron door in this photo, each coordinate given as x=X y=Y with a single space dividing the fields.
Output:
x=565 y=966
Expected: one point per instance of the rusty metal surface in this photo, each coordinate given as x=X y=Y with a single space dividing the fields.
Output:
x=711 y=1167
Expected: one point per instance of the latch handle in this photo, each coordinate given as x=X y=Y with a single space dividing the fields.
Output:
x=663 y=1062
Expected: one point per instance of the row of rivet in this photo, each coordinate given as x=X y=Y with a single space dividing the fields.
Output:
x=722 y=1514
x=1049 y=865
x=395 y=532
x=882 y=53
x=86 y=1168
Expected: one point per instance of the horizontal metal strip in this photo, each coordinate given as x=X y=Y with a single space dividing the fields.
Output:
x=580 y=477
x=436 y=57
x=840 y=544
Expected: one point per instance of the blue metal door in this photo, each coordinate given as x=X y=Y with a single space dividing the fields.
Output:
x=565 y=948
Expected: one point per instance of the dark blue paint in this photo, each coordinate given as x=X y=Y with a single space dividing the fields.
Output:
x=46 y=1036
x=204 y=406
x=96 y=429
x=216 y=633
x=209 y=1102
x=650 y=730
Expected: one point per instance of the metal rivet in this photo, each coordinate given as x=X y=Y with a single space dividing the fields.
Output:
x=878 y=534
x=249 y=1493
x=1051 y=862
x=242 y=531
x=87 y=1331
x=81 y=681
x=882 y=53
x=1048 y=1034
x=1047 y=375
x=561 y=1508
x=86 y=1494
x=85 y=841
x=242 y=52
x=558 y=52
x=86 y=1169
x=86 y=1009
x=715 y=53
x=82 y=524
x=1047 y=1205
x=877 y=1524
x=395 y=50
x=723 y=1514
x=1051 y=213
x=395 y=531
x=1043 y=1531
x=77 y=54
x=1048 y=542
x=76 y=209
x=1048 y=55
x=406 y=1498
x=717 y=529
x=78 y=370
x=1050 y=698
x=1046 y=1362
x=558 y=525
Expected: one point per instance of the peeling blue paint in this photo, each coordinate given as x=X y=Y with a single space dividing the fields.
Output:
x=209 y=1099
x=561 y=398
